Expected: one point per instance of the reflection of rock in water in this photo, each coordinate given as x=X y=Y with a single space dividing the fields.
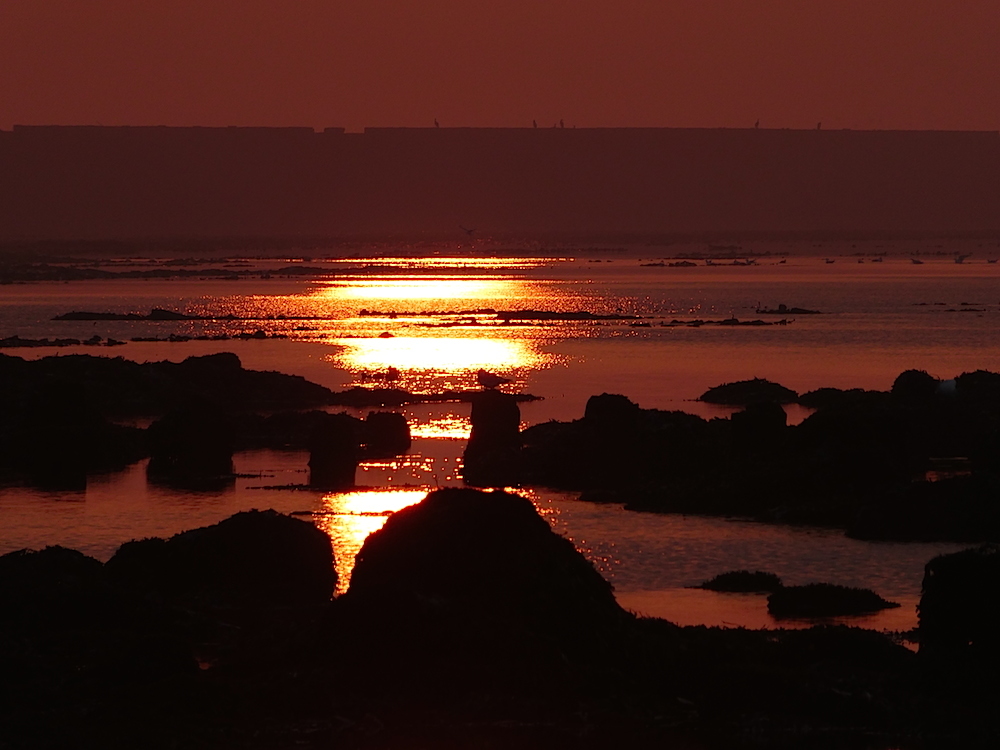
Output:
x=492 y=457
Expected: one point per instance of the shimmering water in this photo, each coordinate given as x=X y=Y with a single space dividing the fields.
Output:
x=427 y=324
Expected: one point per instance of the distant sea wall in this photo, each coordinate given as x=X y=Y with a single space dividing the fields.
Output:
x=143 y=182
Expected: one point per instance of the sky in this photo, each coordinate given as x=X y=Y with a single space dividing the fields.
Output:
x=882 y=64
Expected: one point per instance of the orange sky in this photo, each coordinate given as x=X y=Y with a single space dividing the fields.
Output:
x=791 y=63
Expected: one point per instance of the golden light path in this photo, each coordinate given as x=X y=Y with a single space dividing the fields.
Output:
x=444 y=354
x=349 y=517
x=438 y=287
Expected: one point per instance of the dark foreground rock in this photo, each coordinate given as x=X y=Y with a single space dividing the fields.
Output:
x=252 y=559
x=468 y=624
x=492 y=457
x=960 y=607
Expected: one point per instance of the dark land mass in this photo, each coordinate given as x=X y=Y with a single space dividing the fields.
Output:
x=98 y=183
x=468 y=623
x=917 y=463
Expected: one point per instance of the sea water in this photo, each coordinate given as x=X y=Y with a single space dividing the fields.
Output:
x=425 y=322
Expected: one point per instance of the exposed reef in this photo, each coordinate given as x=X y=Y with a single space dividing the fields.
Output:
x=824 y=600
x=743 y=581
x=919 y=462
x=468 y=623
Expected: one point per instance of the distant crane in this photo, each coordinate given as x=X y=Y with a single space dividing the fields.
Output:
x=436 y=123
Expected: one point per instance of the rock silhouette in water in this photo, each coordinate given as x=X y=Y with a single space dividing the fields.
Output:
x=959 y=609
x=471 y=588
x=192 y=447
x=334 y=452
x=493 y=455
x=824 y=600
x=385 y=434
x=252 y=559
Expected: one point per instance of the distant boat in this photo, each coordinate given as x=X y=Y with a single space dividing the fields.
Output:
x=961 y=258
x=916 y=261
x=829 y=260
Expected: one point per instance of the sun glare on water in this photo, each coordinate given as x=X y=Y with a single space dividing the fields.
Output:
x=349 y=517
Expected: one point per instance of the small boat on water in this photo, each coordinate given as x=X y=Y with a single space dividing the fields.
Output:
x=916 y=261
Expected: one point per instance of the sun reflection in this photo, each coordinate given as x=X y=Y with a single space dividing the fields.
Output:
x=444 y=427
x=437 y=287
x=443 y=354
x=349 y=517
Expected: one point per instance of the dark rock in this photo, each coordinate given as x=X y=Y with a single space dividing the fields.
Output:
x=743 y=581
x=915 y=387
x=334 y=452
x=824 y=398
x=760 y=425
x=252 y=559
x=612 y=411
x=492 y=457
x=959 y=611
x=386 y=434
x=192 y=447
x=469 y=589
x=746 y=392
x=824 y=600
x=53 y=588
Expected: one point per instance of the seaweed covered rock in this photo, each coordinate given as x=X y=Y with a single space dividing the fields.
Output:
x=250 y=560
x=492 y=457
x=744 y=392
x=334 y=451
x=473 y=588
x=743 y=581
x=959 y=611
x=824 y=600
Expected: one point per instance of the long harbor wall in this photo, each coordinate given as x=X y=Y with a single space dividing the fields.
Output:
x=96 y=182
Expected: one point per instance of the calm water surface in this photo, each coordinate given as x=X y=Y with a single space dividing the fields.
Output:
x=878 y=319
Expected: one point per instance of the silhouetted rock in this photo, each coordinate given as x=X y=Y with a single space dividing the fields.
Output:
x=915 y=387
x=477 y=589
x=192 y=447
x=53 y=588
x=760 y=425
x=334 y=452
x=743 y=581
x=824 y=600
x=824 y=398
x=492 y=457
x=746 y=392
x=250 y=560
x=959 y=609
x=961 y=509
x=385 y=434
x=612 y=411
